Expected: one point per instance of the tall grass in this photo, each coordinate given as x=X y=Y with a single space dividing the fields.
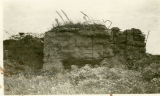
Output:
x=87 y=80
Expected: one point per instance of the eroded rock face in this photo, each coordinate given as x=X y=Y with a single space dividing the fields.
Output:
x=63 y=49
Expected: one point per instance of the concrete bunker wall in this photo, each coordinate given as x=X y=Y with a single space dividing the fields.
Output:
x=85 y=47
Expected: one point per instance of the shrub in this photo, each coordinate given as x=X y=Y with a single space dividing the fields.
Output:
x=153 y=86
x=151 y=71
x=27 y=49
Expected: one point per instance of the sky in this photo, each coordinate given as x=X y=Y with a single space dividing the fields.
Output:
x=38 y=15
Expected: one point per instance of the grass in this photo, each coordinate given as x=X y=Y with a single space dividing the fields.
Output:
x=86 y=80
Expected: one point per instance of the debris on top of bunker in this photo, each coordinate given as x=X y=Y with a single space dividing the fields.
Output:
x=69 y=26
x=77 y=27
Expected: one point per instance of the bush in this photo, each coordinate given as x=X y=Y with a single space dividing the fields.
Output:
x=151 y=71
x=27 y=49
x=153 y=86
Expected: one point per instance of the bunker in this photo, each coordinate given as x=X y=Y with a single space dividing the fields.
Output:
x=79 y=45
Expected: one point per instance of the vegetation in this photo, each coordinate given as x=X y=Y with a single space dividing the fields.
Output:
x=130 y=71
x=86 y=80
x=22 y=54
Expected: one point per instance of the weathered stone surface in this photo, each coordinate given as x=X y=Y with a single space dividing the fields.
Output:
x=84 y=45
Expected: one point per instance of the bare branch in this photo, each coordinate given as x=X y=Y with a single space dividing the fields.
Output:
x=60 y=16
x=65 y=14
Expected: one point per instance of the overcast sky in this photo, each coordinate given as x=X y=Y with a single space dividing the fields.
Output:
x=38 y=15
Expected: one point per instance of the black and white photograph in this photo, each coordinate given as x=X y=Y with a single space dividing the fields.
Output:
x=75 y=47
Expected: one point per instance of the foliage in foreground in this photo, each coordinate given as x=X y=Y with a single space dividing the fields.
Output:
x=87 y=80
